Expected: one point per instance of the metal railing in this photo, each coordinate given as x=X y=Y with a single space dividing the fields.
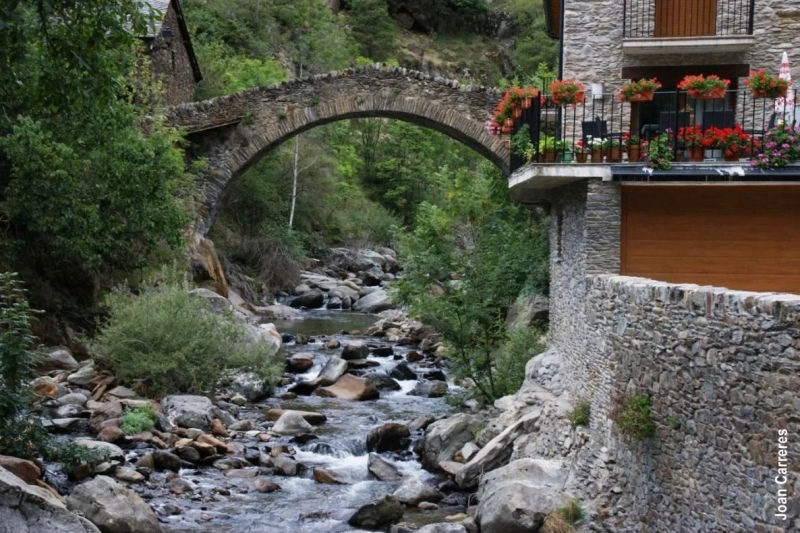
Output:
x=590 y=132
x=687 y=18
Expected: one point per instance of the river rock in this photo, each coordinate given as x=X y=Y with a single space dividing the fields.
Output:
x=331 y=372
x=188 y=411
x=496 y=452
x=67 y=411
x=300 y=362
x=267 y=335
x=73 y=398
x=328 y=477
x=430 y=389
x=215 y=302
x=292 y=423
x=403 y=372
x=378 y=513
x=45 y=386
x=32 y=509
x=315 y=419
x=22 y=468
x=113 y=451
x=355 y=350
x=382 y=469
x=445 y=437
x=443 y=528
x=382 y=350
x=103 y=413
x=372 y=276
x=58 y=359
x=383 y=382
x=312 y=299
x=276 y=312
x=434 y=375
x=111 y=433
x=128 y=475
x=112 y=507
x=349 y=387
x=264 y=485
x=374 y=302
x=188 y=453
x=285 y=465
x=421 y=422
x=517 y=497
x=413 y=491
x=166 y=461
x=83 y=376
x=388 y=438
x=250 y=385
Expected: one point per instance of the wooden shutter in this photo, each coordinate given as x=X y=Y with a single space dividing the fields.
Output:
x=685 y=18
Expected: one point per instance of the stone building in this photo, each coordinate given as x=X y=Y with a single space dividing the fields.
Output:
x=169 y=48
x=681 y=284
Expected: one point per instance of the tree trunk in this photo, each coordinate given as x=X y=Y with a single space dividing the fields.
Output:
x=295 y=172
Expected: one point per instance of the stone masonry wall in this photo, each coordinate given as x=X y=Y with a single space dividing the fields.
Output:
x=170 y=62
x=593 y=42
x=723 y=371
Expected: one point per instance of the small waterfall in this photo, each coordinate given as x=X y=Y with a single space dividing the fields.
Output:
x=340 y=450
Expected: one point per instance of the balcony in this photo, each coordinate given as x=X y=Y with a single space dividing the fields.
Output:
x=687 y=26
x=562 y=138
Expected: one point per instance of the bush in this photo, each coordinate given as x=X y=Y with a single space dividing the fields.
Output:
x=137 y=420
x=572 y=512
x=580 y=415
x=71 y=455
x=633 y=416
x=20 y=434
x=166 y=340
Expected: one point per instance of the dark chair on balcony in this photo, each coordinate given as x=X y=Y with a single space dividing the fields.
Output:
x=596 y=129
x=717 y=119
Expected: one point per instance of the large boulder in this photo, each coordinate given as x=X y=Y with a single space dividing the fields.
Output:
x=310 y=300
x=111 y=451
x=276 y=312
x=292 y=423
x=300 y=362
x=331 y=372
x=311 y=417
x=188 y=411
x=388 y=438
x=355 y=350
x=496 y=452
x=30 y=509
x=112 y=507
x=349 y=387
x=249 y=385
x=517 y=497
x=217 y=303
x=430 y=389
x=266 y=335
x=378 y=513
x=375 y=302
x=445 y=437
x=22 y=468
x=57 y=359
x=414 y=491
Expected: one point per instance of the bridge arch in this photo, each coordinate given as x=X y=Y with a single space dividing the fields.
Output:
x=233 y=132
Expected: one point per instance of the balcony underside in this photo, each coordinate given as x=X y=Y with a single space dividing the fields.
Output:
x=686 y=45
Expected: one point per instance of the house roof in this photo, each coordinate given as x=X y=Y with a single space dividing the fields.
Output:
x=552 y=18
x=161 y=7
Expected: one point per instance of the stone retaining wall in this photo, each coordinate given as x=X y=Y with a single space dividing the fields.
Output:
x=723 y=371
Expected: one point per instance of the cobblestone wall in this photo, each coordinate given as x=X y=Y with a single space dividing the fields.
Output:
x=170 y=62
x=723 y=371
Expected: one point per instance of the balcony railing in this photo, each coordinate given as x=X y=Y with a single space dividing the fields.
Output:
x=566 y=134
x=687 y=18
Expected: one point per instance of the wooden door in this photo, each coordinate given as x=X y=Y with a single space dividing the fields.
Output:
x=685 y=18
x=741 y=237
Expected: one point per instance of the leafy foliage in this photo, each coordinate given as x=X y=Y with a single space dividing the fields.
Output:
x=579 y=416
x=633 y=416
x=166 y=340
x=71 y=455
x=20 y=434
x=466 y=262
x=573 y=512
x=135 y=421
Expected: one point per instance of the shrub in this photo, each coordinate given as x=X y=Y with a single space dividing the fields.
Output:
x=137 y=420
x=633 y=416
x=166 y=340
x=71 y=455
x=572 y=512
x=580 y=415
x=20 y=434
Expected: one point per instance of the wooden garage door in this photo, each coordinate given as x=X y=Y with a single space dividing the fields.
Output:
x=740 y=237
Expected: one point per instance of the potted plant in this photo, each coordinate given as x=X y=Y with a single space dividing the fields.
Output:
x=765 y=85
x=700 y=87
x=733 y=142
x=595 y=146
x=659 y=152
x=581 y=151
x=549 y=148
x=564 y=92
x=521 y=144
x=613 y=148
x=692 y=139
x=632 y=144
x=779 y=147
x=523 y=97
x=503 y=115
x=639 y=91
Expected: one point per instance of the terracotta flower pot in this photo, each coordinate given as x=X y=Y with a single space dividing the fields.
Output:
x=696 y=153
x=581 y=157
x=597 y=156
x=770 y=93
x=517 y=112
x=615 y=154
x=550 y=155
x=713 y=94
x=731 y=157
x=644 y=96
x=527 y=102
x=634 y=153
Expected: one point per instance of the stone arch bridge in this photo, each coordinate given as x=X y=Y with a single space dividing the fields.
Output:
x=233 y=132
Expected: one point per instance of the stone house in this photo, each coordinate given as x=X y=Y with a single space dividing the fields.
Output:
x=169 y=48
x=681 y=284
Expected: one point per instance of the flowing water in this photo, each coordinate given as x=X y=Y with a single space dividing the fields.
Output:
x=224 y=504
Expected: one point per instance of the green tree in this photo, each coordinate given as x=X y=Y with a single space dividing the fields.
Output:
x=373 y=29
x=466 y=262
